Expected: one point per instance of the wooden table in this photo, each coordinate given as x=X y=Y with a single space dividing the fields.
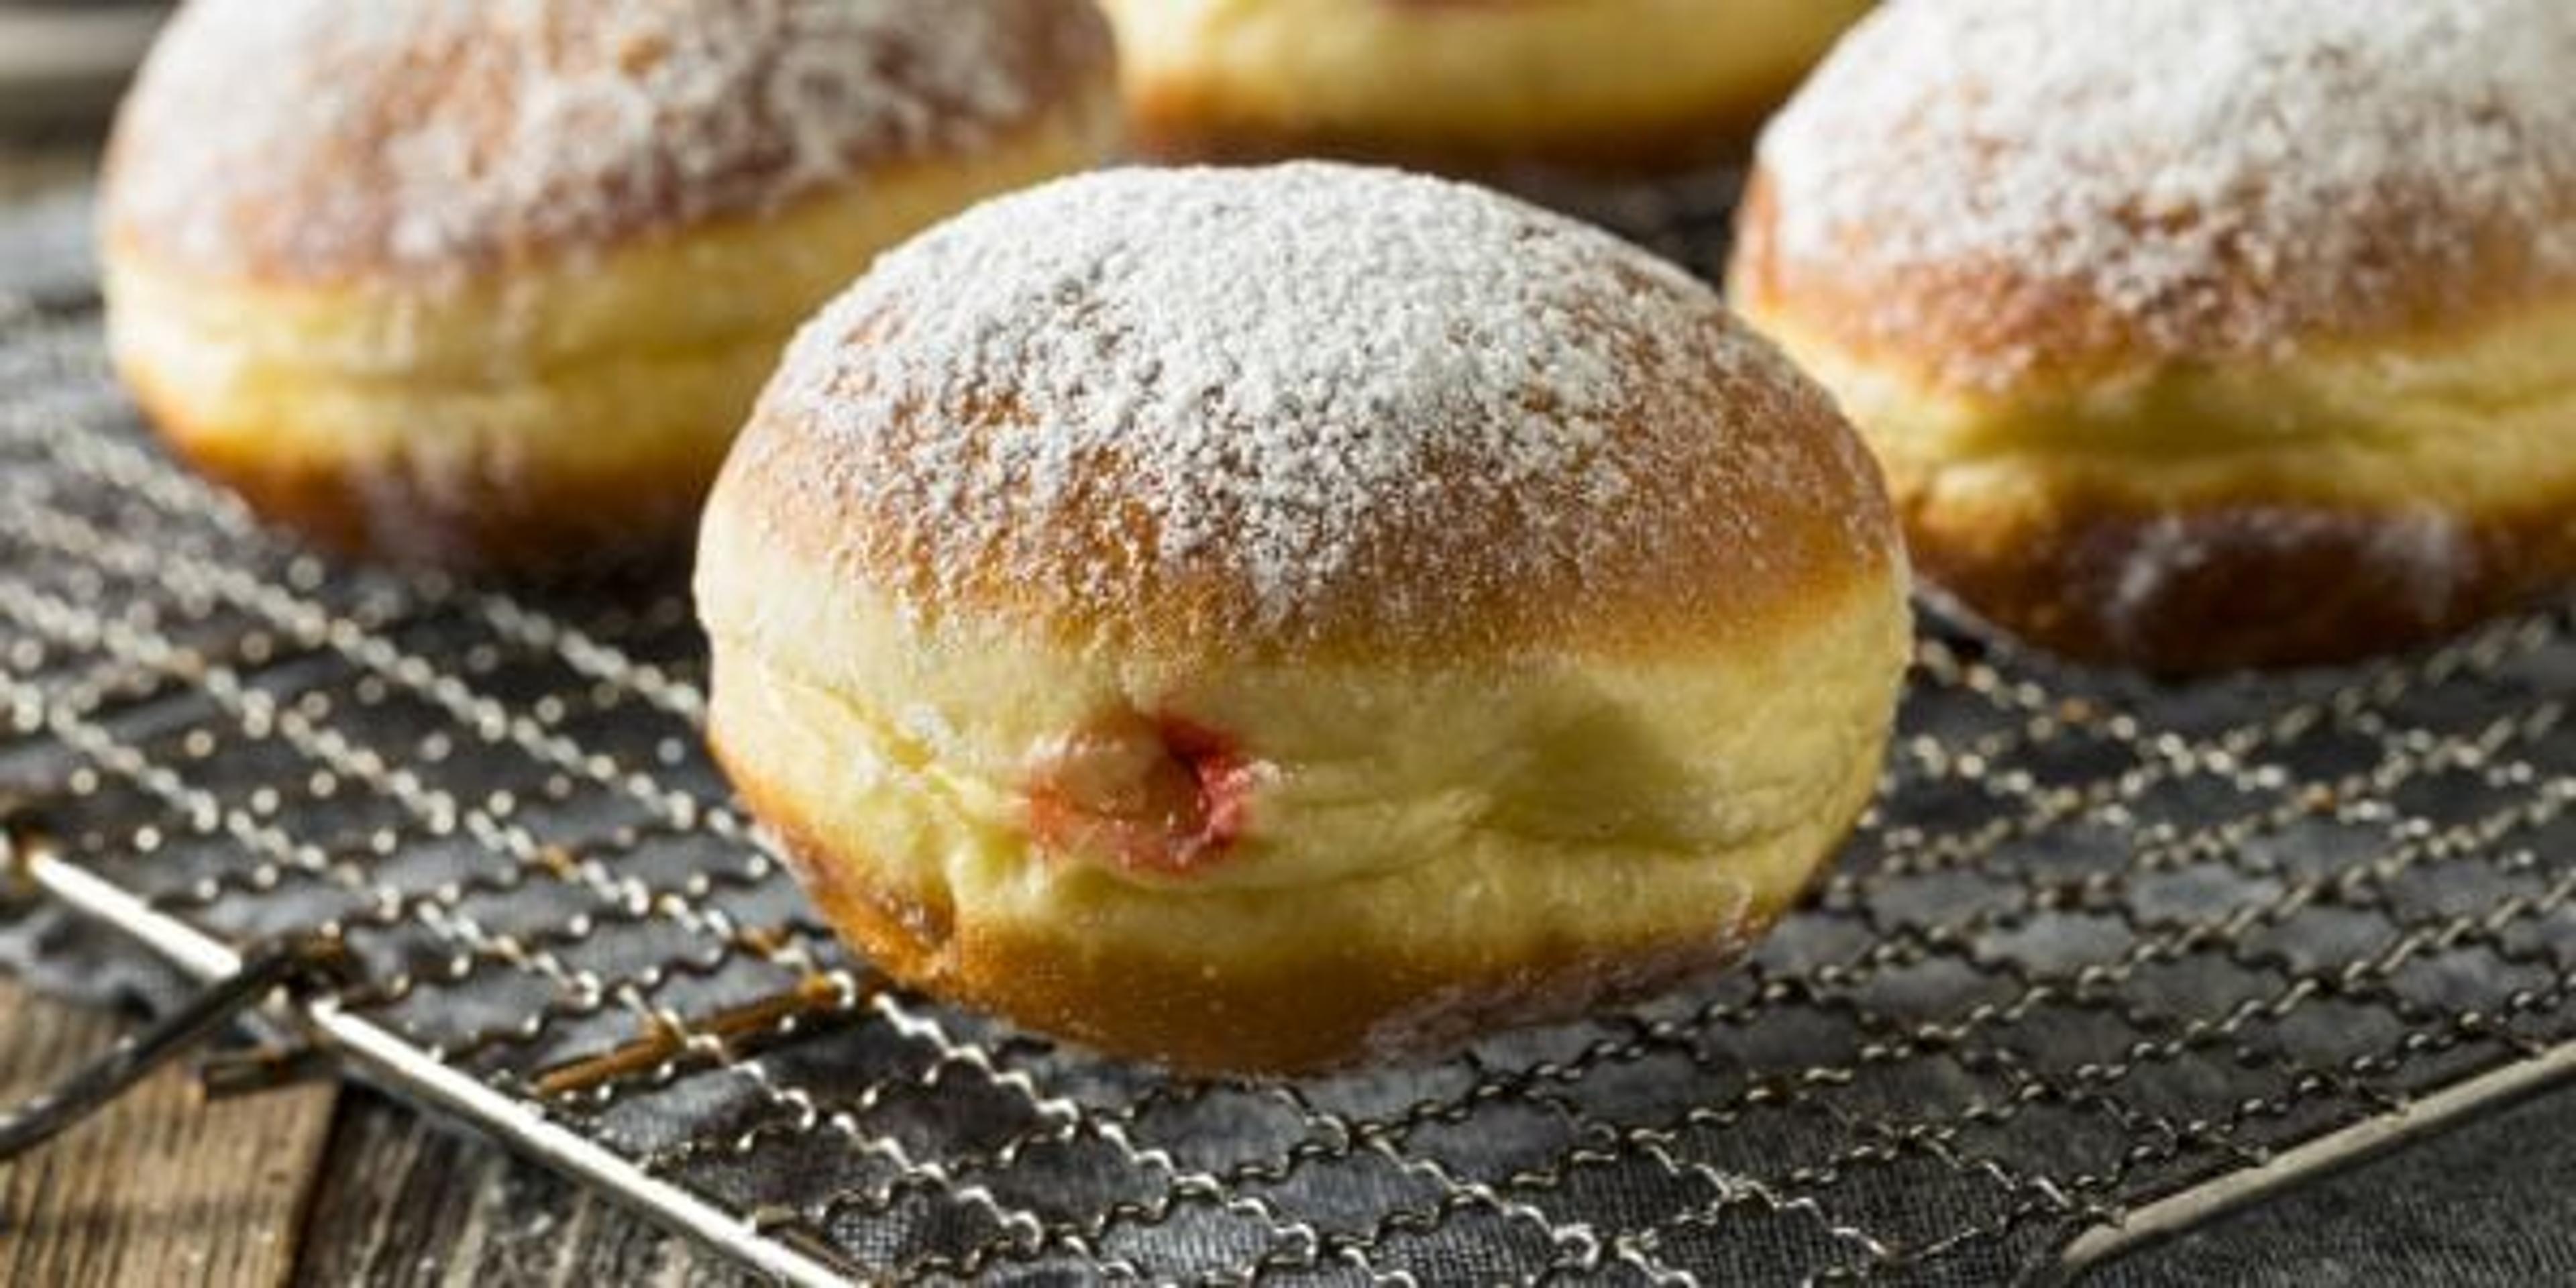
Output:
x=309 y=1185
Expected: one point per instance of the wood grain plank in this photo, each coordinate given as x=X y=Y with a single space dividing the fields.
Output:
x=408 y=1203
x=162 y=1188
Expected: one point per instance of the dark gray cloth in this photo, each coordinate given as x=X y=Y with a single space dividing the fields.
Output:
x=2490 y=1205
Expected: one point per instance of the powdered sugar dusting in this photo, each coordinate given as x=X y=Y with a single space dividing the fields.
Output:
x=1316 y=383
x=313 y=135
x=2218 y=178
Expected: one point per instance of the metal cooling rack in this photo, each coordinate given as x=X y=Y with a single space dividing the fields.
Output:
x=2105 y=959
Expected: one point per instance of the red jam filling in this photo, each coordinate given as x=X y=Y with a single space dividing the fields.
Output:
x=1162 y=795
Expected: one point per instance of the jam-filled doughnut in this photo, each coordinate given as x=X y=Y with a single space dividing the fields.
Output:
x=492 y=284
x=1257 y=619
x=2196 y=336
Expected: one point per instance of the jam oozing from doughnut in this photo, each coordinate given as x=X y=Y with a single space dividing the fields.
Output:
x=1152 y=794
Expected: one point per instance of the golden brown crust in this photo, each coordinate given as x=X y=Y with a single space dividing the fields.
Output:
x=1983 y=325
x=1347 y=1005
x=2256 y=581
x=537 y=523
x=1487 y=88
x=1191 y=123
x=587 y=409
x=339 y=158
x=1725 y=567
x=2262 y=574
x=1715 y=489
x=2000 y=194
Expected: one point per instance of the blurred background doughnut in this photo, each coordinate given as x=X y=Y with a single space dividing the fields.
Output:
x=492 y=284
x=2191 y=335
x=1466 y=84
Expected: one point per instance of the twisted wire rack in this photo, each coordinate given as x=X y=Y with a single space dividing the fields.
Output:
x=2105 y=958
